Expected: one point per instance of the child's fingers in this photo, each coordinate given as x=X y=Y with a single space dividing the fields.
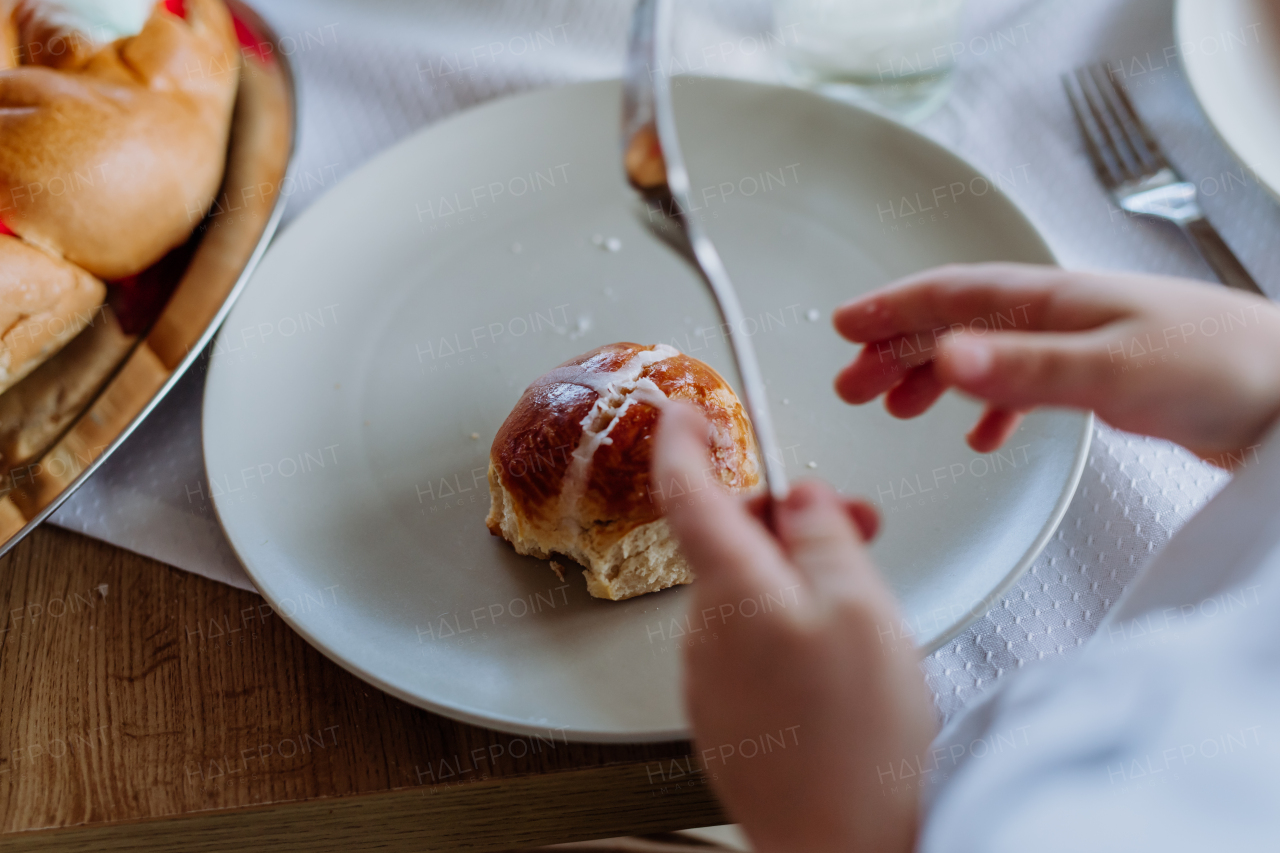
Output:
x=723 y=543
x=993 y=429
x=994 y=296
x=1020 y=371
x=823 y=543
x=864 y=516
x=915 y=394
x=863 y=380
x=880 y=366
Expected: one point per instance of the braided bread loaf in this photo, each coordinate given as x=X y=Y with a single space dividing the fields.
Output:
x=110 y=154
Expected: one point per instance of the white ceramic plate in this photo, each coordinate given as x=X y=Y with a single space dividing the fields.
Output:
x=389 y=331
x=1231 y=50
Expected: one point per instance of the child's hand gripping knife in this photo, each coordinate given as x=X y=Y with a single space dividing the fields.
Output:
x=803 y=704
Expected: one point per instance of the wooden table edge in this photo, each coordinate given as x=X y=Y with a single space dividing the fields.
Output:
x=483 y=815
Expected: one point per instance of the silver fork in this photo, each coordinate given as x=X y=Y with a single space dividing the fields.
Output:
x=1133 y=169
x=655 y=167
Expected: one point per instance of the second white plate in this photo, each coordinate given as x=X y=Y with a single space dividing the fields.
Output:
x=1231 y=51
x=389 y=331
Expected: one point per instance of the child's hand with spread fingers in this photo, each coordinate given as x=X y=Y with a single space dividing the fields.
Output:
x=1180 y=360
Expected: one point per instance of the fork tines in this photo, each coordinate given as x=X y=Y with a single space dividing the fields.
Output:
x=1122 y=149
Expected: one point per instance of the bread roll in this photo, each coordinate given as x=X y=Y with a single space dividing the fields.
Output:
x=111 y=158
x=569 y=469
x=44 y=302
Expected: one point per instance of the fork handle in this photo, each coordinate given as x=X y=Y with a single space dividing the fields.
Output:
x=1218 y=255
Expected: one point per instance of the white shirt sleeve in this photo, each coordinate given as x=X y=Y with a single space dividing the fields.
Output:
x=1162 y=732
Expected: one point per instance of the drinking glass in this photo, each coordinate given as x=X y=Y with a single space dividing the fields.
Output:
x=893 y=55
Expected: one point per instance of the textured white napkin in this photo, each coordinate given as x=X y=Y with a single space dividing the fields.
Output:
x=370 y=74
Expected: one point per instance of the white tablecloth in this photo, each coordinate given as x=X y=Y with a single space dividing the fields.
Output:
x=370 y=74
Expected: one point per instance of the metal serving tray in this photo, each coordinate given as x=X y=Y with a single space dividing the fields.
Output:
x=59 y=423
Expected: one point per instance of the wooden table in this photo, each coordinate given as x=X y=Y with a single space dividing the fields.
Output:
x=144 y=708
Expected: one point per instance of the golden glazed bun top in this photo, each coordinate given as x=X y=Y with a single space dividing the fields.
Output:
x=110 y=155
x=576 y=450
